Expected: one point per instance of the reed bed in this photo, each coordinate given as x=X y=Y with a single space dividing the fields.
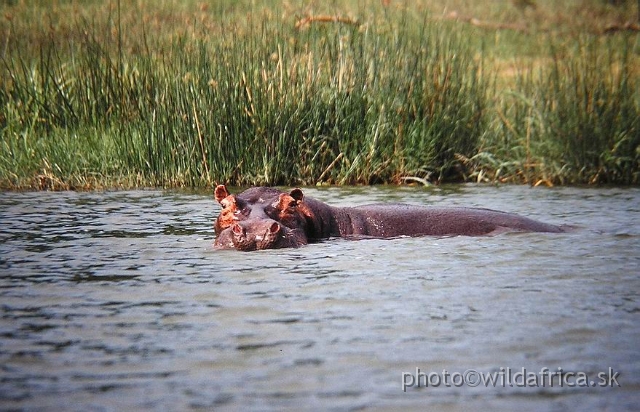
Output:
x=190 y=94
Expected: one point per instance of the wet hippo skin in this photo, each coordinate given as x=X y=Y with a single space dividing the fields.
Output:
x=268 y=218
x=258 y=234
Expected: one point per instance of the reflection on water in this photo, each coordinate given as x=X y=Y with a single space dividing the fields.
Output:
x=116 y=300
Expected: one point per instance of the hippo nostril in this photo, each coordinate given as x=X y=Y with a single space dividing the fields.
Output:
x=237 y=229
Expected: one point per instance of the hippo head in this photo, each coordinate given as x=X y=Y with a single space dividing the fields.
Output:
x=260 y=203
x=260 y=218
x=249 y=204
x=259 y=234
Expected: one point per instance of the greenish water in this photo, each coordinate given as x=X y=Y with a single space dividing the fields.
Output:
x=116 y=301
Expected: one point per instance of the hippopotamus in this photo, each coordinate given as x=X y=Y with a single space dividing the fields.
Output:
x=268 y=218
x=263 y=234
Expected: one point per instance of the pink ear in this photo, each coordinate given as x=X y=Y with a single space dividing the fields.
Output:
x=297 y=194
x=220 y=193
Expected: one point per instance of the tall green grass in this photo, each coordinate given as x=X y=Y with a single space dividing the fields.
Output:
x=576 y=120
x=233 y=95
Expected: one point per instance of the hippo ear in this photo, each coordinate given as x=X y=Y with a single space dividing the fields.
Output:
x=220 y=193
x=297 y=195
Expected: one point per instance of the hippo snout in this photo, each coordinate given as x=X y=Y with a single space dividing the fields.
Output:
x=255 y=235
x=259 y=234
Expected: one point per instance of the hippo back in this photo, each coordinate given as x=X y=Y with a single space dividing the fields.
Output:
x=408 y=220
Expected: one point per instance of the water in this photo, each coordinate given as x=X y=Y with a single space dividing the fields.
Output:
x=116 y=301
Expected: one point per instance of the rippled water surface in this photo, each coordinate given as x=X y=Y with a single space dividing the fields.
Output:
x=116 y=301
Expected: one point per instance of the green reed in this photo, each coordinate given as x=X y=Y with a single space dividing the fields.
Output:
x=255 y=100
x=576 y=120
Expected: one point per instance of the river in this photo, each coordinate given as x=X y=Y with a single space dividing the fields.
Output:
x=116 y=301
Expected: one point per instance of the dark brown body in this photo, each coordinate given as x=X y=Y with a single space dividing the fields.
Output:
x=291 y=220
x=407 y=220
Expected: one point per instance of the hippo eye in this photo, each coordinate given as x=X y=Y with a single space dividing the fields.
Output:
x=271 y=211
x=242 y=211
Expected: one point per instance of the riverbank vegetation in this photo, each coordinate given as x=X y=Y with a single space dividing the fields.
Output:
x=172 y=93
